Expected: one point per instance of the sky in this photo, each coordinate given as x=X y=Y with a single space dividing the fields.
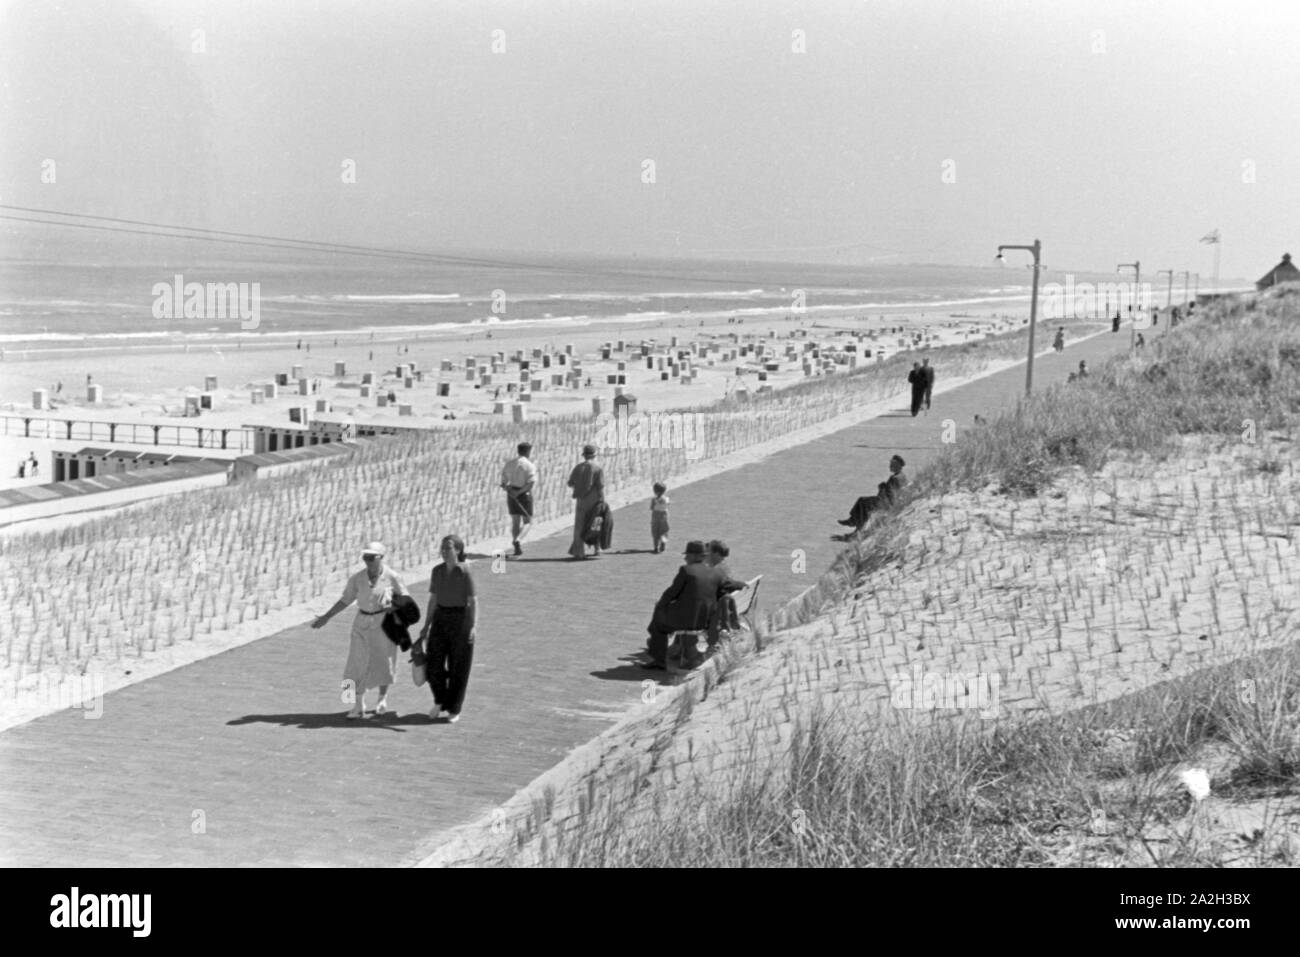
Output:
x=835 y=131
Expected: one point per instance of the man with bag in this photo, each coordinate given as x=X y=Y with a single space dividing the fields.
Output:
x=588 y=484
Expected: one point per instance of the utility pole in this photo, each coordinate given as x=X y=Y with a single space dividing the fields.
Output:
x=1036 y=249
x=1169 y=293
x=1137 y=278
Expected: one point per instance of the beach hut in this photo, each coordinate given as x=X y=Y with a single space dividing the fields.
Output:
x=625 y=404
x=1285 y=271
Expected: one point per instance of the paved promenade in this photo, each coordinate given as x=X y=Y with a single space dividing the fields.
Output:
x=245 y=758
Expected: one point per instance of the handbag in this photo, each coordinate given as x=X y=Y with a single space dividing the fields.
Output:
x=419 y=673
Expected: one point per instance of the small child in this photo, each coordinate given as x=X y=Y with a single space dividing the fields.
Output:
x=659 y=517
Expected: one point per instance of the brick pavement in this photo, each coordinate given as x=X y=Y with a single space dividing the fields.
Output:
x=245 y=758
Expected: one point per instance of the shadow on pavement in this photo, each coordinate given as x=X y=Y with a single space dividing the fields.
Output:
x=338 y=719
x=632 y=669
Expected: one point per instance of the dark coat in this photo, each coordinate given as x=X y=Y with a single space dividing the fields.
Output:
x=691 y=600
x=396 y=624
x=927 y=376
x=604 y=535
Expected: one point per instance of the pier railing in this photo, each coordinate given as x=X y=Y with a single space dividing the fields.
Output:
x=235 y=439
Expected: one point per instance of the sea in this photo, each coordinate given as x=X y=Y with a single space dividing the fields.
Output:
x=81 y=302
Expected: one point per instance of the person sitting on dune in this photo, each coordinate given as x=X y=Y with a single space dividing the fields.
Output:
x=886 y=494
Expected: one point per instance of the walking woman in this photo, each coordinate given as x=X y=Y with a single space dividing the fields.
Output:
x=449 y=628
x=372 y=658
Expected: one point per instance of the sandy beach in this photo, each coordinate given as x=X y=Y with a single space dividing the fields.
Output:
x=148 y=384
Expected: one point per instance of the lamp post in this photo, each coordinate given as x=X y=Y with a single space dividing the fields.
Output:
x=1196 y=288
x=1137 y=278
x=1186 y=277
x=1036 y=249
x=1169 y=293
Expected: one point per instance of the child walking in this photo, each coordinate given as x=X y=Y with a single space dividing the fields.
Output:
x=659 y=517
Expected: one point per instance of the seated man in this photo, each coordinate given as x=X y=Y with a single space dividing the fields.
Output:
x=727 y=617
x=886 y=492
x=688 y=604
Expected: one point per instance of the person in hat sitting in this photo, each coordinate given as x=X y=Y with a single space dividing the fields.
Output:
x=688 y=604
x=372 y=657
x=886 y=493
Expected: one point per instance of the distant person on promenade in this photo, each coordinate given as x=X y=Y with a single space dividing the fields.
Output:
x=518 y=478
x=449 y=628
x=372 y=657
x=588 y=483
x=33 y=466
x=886 y=494
x=1114 y=323
x=688 y=604
x=659 y=517
x=927 y=380
x=1141 y=341
x=1059 y=342
x=917 y=382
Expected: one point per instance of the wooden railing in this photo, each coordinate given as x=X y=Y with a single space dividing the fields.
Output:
x=127 y=433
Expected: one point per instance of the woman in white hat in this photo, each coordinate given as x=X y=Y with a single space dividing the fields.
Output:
x=372 y=657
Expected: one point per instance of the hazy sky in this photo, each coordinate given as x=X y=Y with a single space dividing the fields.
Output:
x=909 y=131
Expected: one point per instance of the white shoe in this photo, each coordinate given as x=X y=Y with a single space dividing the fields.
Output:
x=451 y=718
x=357 y=712
x=382 y=707
x=435 y=712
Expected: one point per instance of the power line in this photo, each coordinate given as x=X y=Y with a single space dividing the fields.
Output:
x=309 y=245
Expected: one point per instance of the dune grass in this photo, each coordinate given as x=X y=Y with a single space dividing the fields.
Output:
x=1233 y=371
x=1070 y=789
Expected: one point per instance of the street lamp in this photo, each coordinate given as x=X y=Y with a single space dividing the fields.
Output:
x=1137 y=278
x=1186 y=277
x=1169 y=293
x=1036 y=249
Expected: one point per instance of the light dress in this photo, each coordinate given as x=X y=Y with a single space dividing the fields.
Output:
x=372 y=657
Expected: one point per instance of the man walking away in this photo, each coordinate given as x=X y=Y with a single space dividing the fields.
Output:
x=927 y=379
x=917 y=383
x=518 y=478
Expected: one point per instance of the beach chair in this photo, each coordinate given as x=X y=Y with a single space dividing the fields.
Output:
x=747 y=602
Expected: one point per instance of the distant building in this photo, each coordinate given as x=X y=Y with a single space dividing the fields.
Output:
x=1285 y=271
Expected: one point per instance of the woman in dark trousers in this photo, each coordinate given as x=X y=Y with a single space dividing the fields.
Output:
x=449 y=626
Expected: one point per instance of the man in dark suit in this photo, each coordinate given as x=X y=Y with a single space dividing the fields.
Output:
x=927 y=380
x=917 y=381
x=687 y=604
x=885 y=497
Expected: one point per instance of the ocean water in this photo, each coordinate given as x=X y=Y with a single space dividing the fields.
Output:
x=109 y=300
